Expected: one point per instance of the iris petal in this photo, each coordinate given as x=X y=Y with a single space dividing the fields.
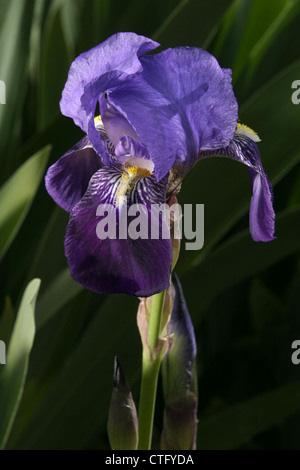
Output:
x=262 y=215
x=182 y=102
x=133 y=153
x=68 y=179
x=244 y=149
x=138 y=267
x=96 y=70
x=129 y=146
x=117 y=126
x=119 y=52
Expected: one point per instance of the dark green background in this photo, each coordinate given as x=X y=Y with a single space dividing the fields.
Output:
x=243 y=296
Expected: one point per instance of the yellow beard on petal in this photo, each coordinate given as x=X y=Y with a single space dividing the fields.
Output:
x=242 y=129
x=127 y=182
x=98 y=121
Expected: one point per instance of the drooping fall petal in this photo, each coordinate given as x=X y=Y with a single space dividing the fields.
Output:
x=112 y=262
x=68 y=179
x=244 y=149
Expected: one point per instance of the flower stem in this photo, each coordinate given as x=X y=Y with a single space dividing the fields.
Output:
x=147 y=402
x=155 y=319
x=150 y=372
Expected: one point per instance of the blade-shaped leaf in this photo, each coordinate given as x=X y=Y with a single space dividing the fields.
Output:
x=266 y=309
x=55 y=60
x=15 y=371
x=6 y=320
x=240 y=258
x=17 y=195
x=223 y=186
x=58 y=294
x=86 y=381
x=237 y=425
x=14 y=47
x=263 y=25
x=191 y=23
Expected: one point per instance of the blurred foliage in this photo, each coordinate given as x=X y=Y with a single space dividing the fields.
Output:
x=243 y=297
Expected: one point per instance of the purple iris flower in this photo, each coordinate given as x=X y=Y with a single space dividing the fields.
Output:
x=159 y=114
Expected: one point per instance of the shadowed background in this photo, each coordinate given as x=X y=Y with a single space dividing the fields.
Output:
x=243 y=296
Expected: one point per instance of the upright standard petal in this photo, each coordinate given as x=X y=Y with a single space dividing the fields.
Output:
x=109 y=250
x=182 y=102
x=116 y=125
x=93 y=72
x=244 y=149
x=68 y=179
x=118 y=53
x=133 y=153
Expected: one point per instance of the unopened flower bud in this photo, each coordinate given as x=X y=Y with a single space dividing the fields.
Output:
x=122 y=420
x=179 y=380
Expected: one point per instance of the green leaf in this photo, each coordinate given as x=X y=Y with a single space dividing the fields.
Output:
x=70 y=21
x=56 y=58
x=248 y=31
x=294 y=197
x=96 y=22
x=15 y=371
x=240 y=258
x=6 y=320
x=14 y=48
x=86 y=382
x=61 y=291
x=237 y=425
x=223 y=186
x=263 y=25
x=192 y=23
x=17 y=195
x=280 y=146
x=265 y=308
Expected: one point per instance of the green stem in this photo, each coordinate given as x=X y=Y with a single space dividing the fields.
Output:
x=147 y=402
x=150 y=374
x=154 y=326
